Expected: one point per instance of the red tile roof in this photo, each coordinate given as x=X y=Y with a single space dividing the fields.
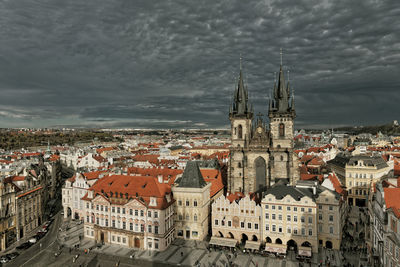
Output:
x=214 y=177
x=336 y=183
x=392 y=199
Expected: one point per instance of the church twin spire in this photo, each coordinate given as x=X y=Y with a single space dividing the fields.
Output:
x=241 y=106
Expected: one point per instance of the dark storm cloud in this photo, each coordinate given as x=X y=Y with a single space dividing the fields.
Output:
x=174 y=63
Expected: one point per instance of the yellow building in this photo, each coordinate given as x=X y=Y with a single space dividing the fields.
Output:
x=192 y=206
x=358 y=174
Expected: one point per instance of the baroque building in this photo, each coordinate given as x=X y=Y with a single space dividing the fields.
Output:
x=261 y=155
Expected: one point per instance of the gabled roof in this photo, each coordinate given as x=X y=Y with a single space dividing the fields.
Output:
x=192 y=177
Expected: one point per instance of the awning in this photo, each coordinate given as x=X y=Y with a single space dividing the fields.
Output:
x=252 y=245
x=222 y=241
x=276 y=248
x=305 y=251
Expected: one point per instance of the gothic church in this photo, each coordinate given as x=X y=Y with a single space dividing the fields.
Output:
x=259 y=155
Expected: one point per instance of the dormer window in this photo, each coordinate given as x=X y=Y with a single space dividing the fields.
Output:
x=153 y=201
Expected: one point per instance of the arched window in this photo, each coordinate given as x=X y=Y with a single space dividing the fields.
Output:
x=281 y=129
x=281 y=158
x=240 y=131
x=195 y=217
x=239 y=165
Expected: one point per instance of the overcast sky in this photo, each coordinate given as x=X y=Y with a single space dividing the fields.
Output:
x=172 y=64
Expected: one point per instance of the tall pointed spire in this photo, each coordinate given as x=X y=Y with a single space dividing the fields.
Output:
x=241 y=106
x=282 y=101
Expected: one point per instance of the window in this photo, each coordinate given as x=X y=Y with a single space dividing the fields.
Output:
x=267 y=227
x=256 y=226
x=266 y=206
x=320 y=216
x=156 y=229
x=105 y=208
x=240 y=131
x=267 y=216
x=142 y=228
x=130 y=211
x=273 y=228
x=310 y=231
x=87 y=205
x=302 y=219
x=149 y=228
x=101 y=207
x=295 y=209
x=131 y=226
x=136 y=212
x=310 y=219
x=136 y=227
x=331 y=218
x=273 y=216
x=331 y=229
x=242 y=224
x=273 y=207
x=295 y=218
x=156 y=214
x=280 y=229
x=180 y=217
x=295 y=231
x=123 y=210
x=113 y=223
x=279 y=207
x=280 y=217
x=107 y=222
x=249 y=225
x=288 y=218
x=87 y=218
x=288 y=208
x=187 y=203
x=141 y=213
x=289 y=230
x=216 y=222
x=309 y=210
x=229 y=223
x=195 y=203
x=281 y=129
x=149 y=213
x=195 y=217
x=124 y=240
x=118 y=210
x=303 y=231
x=179 y=202
x=302 y=209
x=330 y=208
x=320 y=207
x=97 y=207
x=123 y=225
x=156 y=245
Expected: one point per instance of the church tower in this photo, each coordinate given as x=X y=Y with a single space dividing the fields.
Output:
x=281 y=115
x=241 y=116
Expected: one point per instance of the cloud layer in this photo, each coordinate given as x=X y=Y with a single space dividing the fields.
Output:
x=173 y=64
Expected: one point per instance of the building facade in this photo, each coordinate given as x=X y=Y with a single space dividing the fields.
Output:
x=7 y=213
x=192 y=204
x=131 y=211
x=262 y=156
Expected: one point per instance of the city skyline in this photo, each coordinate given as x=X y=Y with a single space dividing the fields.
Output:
x=172 y=65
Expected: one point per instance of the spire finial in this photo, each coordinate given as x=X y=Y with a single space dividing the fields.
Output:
x=240 y=61
x=288 y=77
x=281 y=55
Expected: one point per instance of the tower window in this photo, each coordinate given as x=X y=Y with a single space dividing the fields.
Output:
x=240 y=131
x=281 y=129
x=239 y=165
x=281 y=158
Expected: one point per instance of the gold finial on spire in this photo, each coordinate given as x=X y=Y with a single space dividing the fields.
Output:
x=281 y=55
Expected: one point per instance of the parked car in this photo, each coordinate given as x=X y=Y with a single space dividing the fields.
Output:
x=32 y=240
x=25 y=245
x=4 y=259
x=13 y=255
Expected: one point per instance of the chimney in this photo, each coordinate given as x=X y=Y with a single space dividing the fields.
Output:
x=160 y=178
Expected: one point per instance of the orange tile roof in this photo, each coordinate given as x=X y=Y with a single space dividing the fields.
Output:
x=94 y=174
x=18 y=178
x=392 y=198
x=214 y=177
x=336 y=183
x=144 y=186
x=101 y=150
x=29 y=192
x=235 y=196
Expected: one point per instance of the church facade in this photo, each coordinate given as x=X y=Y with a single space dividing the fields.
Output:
x=260 y=155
